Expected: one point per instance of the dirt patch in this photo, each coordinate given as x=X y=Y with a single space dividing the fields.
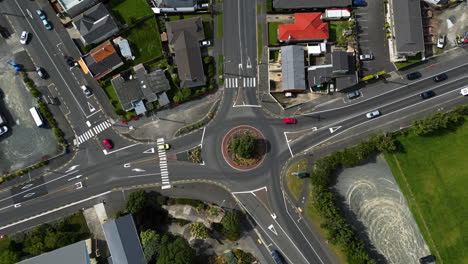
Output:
x=450 y=22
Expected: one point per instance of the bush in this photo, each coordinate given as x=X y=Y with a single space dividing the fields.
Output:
x=120 y=112
x=244 y=146
x=35 y=93
x=199 y=230
x=437 y=122
x=231 y=226
x=136 y=201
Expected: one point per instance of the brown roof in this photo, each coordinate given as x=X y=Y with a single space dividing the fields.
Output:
x=103 y=51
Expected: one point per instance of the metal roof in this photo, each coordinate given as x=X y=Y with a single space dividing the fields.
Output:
x=408 y=26
x=73 y=254
x=95 y=24
x=293 y=68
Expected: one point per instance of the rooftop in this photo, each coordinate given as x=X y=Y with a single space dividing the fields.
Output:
x=95 y=23
x=307 y=26
x=293 y=68
x=408 y=26
x=74 y=254
x=101 y=60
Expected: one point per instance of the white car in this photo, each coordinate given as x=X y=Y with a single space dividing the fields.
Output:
x=373 y=114
x=86 y=90
x=441 y=42
x=205 y=43
x=366 y=57
x=24 y=37
x=464 y=91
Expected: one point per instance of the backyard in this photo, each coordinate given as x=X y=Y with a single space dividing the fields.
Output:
x=273 y=33
x=432 y=174
x=336 y=32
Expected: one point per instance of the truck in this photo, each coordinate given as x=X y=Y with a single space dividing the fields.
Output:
x=337 y=13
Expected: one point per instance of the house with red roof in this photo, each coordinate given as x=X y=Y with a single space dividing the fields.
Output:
x=307 y=27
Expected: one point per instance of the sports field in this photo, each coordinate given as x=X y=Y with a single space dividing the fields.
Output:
x=433 y=175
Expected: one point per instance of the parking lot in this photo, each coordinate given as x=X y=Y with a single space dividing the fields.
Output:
x=371 y=38
x=24 y=144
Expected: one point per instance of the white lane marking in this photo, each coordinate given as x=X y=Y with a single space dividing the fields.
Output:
x=88 y=123
x=244 y=105
x=287 y=142
x=91 y=107
x=96 y=130
x=76 y=177
x=27 y=186
x=235 y=81
x=149 y=151
x=53 y=210
x=6 y=207
x=29 y=195
x=254 y=81
x=143 y=175
x=333 y=129
x=138 y=170
x=272 y=229
x=202 y=137
x=120 y=149
x=251 y=191
x=243 y=79
x=163 y=187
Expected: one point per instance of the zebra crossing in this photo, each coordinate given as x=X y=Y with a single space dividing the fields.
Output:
x=163 y=165
x=93 y=131
x=236 y=82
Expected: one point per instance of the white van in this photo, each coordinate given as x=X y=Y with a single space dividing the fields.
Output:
x=464 y=91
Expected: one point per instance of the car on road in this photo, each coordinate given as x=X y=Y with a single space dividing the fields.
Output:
x=86 y=90
x=69 y=60
x=464 y=91
x=24 y=37
x=359 y=3
x=164 y=147
x=3 y=130
x=276 y=257
x=41 y=14
x=42 y=73
x=427 y=94
x=353 y=95
x=107 y=143
x=413 y=75
x=366 y=57
x=205 y=43
x=440 y=77
x=373 y=114
x=289 y=121
x=427 y=259
x=47 y=24
x=441 y=42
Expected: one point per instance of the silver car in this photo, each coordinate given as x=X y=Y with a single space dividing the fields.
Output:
x=373 y=114
x=24 y=37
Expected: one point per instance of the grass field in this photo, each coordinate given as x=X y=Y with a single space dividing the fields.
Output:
x=336 y=32
x=259 y=42
x=294 y=183
x=273 y=33
x=433 y=176
x=219 y=25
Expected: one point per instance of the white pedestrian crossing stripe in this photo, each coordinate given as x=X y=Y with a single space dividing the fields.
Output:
x=235 y=82
x=94 y=131
x=163 y=165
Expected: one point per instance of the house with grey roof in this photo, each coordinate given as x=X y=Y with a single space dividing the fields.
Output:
x=95 y=25
x=184 y=38
x=76 y=7
x=170 y=6
x=135 y=89
x=298 y=4
x=77 y=253
x=123 y=241
x=406 y=27
x=293 y=68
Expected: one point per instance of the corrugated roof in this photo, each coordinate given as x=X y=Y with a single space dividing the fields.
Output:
x=73 y=254
x=306 y=26
x=293 y=68
x=408 y=33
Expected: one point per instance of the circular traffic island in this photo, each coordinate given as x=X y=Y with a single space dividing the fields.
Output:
x=244 y=148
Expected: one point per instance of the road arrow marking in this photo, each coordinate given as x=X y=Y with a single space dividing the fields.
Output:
x=127 y=165
x=273 y=215
x=138 y=170
x=203 y=163
x=17 y=205
x=314 y=129
x=149 y=151
x=333 y=129
x=72 y=168
x=27 y=186
x=249 y=64
x=91 y=107
x=272 y=229
x=78 y=185
x=76 y=177
x=29 y=195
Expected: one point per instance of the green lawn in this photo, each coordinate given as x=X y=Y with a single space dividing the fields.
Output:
x=433 y=174
x=219 y=25
x=273 y=33
x=409 y=61
x=294 y=183
x=259 y=9
x=336 y=32
x=259 y=42
x=126 y=10
x=184 y=16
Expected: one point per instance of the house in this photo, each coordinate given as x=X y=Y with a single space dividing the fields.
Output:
x=168 y=6
x=101 y=60
x=293 y=68
x=298 y=4
x=77 y=253
x=133 y=88
x=76 y=7
x=95 y=25
x=123 y=241
x=339 y=68
x=406 y=27
x=184 y=38
x=307 y=27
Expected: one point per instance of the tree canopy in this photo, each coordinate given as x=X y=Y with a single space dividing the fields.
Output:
x=136 y=201
x=231 y=225
x=244 y=146
x=176 y=251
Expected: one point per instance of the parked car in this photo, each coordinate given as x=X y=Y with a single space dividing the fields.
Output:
x=359 y=3
x=413 y=75
x=47 y=24
x=440 y=77
x=373 y=114
x=86 y=90
x=164 y=147
x=42 y=73
x=427 y=94
x=276 y=257
x=289 y=95
x=301 y=175
x=41 y=14
x=3 y=130
x=464 y=91
x=289 y=121
x=441 y=42
x=24 y=37
x=353 y=95
x=205 y=43
x=366 y=57
x=69 y=60
x=107 y=143
x=427 y=259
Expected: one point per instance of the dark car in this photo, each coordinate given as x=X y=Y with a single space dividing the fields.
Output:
x=359 y=3
x=353 y=95
x=427 y=94
x=413 y=75
x=276 y=257
x=427 y=259
x=42 y=73
x=440 y=77
x=69 y=60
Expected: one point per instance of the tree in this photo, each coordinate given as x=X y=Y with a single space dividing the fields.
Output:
x=177 y=251
x=199 y=230
x=150 y=242
x=136 y=201
x=231 y=226
x=244 y=146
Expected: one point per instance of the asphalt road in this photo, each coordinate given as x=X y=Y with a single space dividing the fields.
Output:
x=94 y=173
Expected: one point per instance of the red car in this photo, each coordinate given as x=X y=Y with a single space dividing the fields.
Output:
x=2 y=236
x=290 y=121
x=107 y=143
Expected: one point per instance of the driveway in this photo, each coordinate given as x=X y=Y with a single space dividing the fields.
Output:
x=371 y=38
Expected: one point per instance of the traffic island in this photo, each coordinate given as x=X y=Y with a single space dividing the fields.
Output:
x=244 y=148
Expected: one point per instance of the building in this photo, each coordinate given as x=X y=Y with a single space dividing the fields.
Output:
x=293 y=68
x=123 y=241
x=298 y=4
x=76 y=7
x=184 y=38
x=134 y=88
x=95 y=25
x=101 y=60
x=170 y=6
x=77 y=253
x=307 y=27
x=124 y=47
x=406 y=27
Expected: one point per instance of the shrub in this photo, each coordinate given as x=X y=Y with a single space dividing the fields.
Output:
x=244 y=146
x=231 y=226
x=199 y=230
x=35 y=92
x=136 y=201
x=120 y=112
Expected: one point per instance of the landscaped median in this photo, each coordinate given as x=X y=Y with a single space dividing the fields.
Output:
x=295 y=183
